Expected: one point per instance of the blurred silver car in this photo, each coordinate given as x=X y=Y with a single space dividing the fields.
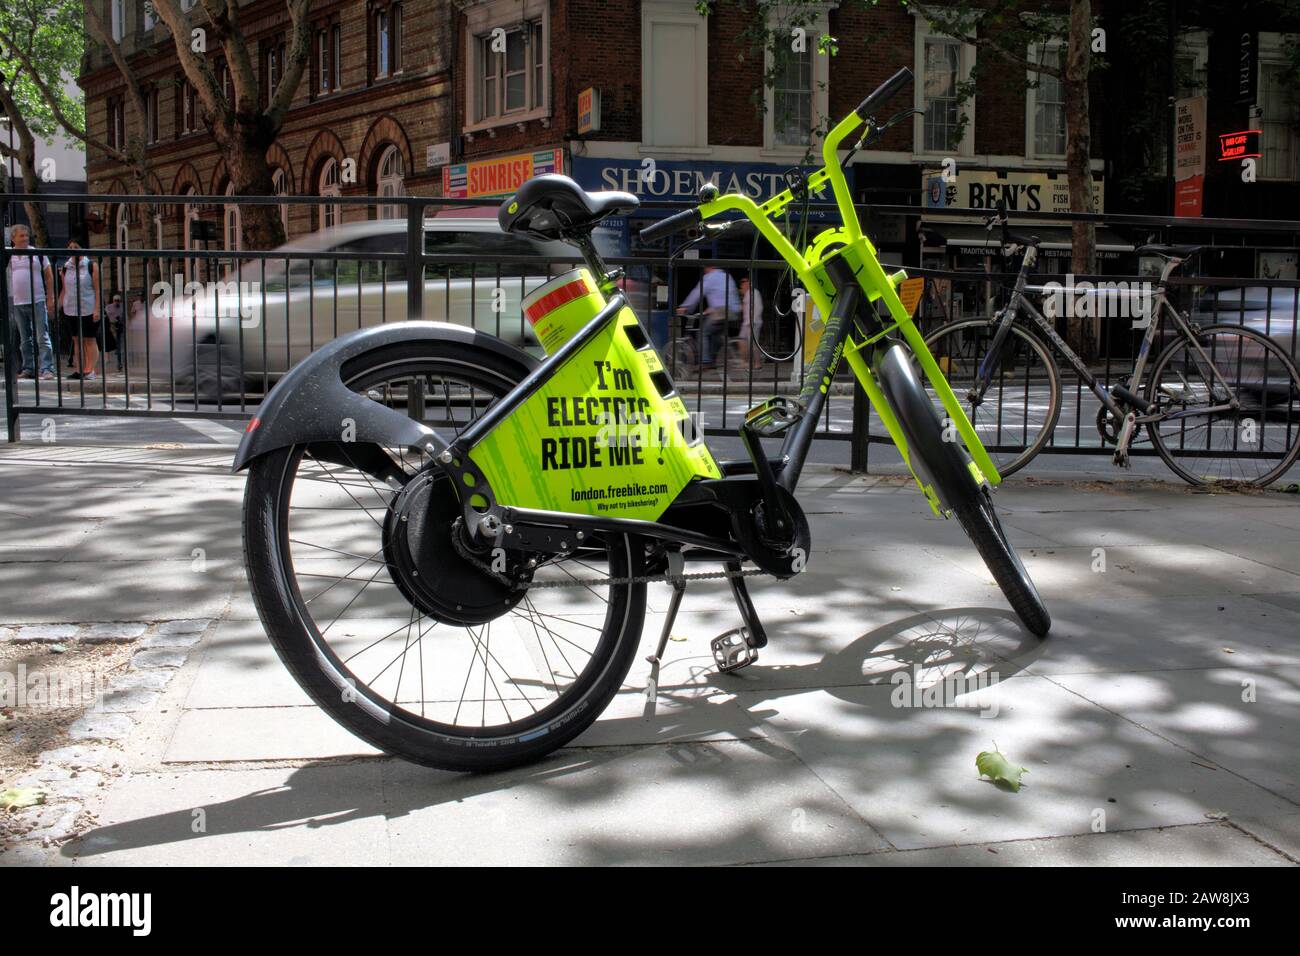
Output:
x=244 y=331
x=1271 y=312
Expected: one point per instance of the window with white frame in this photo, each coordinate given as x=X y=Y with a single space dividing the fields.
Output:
x=150 y=16
x=386 y=40
x=190 y=215
x=231 y=221
x=117 y=18
x=336 y=57
x=1045 y=103
x=1191 y=58
x=151 y=101
x=797 y=95
x=388 y=181
x=1278 y=109
x=511 y=78
x=944 y=67
x=506 y=62
x=280 y=186
x=189 y=109
x=328 y=185
x=123 y=240
x=674 y=75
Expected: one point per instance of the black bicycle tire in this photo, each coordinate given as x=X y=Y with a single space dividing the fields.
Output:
x=1153 y=431
x=392 y=730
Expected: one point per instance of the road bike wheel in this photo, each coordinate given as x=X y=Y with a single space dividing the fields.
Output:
x=390 y=628
x=947 y=466
x=1017 y=415
x=1253 y=444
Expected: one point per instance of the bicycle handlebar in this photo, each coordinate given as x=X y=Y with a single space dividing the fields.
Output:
x=883 y=92
x=671 y=226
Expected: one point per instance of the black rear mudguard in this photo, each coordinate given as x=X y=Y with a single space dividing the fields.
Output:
x=312 y=403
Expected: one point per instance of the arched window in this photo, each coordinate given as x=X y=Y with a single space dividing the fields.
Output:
x=123 y=240
x=328 y=185
x=391 y=172
x=233 y=225
x=280 y=185
x=189 y=216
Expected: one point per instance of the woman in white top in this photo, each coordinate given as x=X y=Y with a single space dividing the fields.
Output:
x=80 y=301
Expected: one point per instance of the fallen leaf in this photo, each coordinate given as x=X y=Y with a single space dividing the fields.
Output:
x=995 y=766
x=15 y=798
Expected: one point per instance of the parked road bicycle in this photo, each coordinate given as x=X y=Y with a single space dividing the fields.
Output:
x=1220 y=403
x=449 y=541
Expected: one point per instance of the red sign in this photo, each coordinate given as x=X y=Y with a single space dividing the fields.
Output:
x=1240 y=145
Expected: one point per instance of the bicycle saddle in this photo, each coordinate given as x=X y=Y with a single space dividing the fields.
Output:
x=548 y=205
x=1169 y=252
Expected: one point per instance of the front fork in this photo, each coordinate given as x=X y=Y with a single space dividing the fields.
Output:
x=983 y=469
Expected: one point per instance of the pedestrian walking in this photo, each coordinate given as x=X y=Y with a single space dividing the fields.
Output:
x=79 y=296
x=717 y=293
x=31 y=289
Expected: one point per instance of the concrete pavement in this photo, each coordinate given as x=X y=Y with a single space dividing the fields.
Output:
x=1159 y=721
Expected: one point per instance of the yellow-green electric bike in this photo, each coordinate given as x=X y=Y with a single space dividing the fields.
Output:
x=449 y=541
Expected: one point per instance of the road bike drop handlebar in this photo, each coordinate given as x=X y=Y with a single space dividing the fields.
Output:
x=831 y=172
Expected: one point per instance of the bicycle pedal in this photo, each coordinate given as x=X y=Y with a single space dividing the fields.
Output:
x=772 y=417
x=733 y=650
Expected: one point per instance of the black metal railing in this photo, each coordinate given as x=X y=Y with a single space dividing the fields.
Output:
x=205 y=333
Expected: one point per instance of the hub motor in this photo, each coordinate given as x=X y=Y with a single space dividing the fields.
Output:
x=442 y=580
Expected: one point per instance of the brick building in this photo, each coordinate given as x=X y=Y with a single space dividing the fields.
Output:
x=372 y=103
x=465 y=98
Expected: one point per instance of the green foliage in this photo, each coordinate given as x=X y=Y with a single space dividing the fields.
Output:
x=52 y=37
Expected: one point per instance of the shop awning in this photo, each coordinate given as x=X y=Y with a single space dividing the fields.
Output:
x=972 y=239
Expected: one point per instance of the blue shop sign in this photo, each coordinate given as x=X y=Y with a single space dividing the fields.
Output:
x=680 y=180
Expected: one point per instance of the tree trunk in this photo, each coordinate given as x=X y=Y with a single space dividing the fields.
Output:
x=32 y=184
x=250 y=175
x=1082 y=333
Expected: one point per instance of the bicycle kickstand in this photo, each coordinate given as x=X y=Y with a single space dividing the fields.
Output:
x=676 y=566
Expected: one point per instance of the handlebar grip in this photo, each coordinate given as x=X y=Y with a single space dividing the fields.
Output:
x=675 y=223
x=883 y=92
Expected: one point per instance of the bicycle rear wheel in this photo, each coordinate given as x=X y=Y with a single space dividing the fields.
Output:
x=1206 y=440
x=946 y=466
x=1017 y=414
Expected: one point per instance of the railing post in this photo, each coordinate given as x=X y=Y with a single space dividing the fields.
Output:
x=7 y=329
x=861 y=443
x=415 y=295
x=414 y=260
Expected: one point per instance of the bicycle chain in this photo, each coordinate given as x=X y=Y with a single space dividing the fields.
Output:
x=513 y=584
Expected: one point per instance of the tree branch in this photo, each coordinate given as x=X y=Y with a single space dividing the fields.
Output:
x=299 y=52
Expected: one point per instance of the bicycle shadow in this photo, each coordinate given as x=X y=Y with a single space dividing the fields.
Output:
x=327 y=793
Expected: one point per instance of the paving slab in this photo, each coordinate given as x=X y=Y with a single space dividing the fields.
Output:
x=109 y=591
x=260 y=733
x=691 y=803
x=1200 y=845
x=1237 y=718
x=326 y=815
x=911 y=771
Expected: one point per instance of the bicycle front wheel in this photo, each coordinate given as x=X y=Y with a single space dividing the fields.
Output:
x=946 y=465
x=1016 y=413
x=1231 y=408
